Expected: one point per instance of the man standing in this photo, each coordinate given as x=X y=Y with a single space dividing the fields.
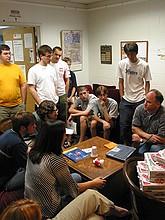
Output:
x=42 y=77
x=105 y=111
x=134 y=83
x=13 y=151
x=13 y=89
x=63 y=75
x=86 y=102
x=148 y=123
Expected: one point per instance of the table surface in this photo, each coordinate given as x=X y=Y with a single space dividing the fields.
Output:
x=87 y=168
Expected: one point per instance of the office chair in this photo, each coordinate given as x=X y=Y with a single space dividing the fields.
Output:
x=5 y=125
x=145 y=207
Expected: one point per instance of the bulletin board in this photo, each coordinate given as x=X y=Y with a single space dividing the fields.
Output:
x=106 y=54
x=142 y=49
x=72 y=45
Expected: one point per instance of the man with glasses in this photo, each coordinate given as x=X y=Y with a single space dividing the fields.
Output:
x=63 y=75
x=105 y=112
x=11 y=79
x=42 y=77
x=47 y=110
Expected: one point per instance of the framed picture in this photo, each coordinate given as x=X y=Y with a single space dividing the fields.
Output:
x=142 y=49
x=71 y=43
x=106 y=54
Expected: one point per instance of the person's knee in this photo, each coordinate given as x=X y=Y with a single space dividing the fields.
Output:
x=155 y=148
x=93 y=124
x=82 y=119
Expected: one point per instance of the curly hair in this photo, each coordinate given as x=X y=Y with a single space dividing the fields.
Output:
x=45 y=108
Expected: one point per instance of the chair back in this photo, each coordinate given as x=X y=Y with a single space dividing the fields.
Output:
x=145 y=207
x=5 y=125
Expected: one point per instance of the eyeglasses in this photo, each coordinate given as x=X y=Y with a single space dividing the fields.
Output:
x=48 y=56
x=55 y=110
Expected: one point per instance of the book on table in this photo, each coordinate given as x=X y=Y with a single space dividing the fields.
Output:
x=75 y=154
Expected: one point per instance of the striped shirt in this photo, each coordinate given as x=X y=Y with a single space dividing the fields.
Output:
x=42 y=183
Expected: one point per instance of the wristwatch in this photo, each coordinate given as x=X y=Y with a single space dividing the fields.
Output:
x=141 y=140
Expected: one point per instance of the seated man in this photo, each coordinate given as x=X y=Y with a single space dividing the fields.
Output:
x=86 y=102
x=13 y=151
x=105 y=111
x=148 y=123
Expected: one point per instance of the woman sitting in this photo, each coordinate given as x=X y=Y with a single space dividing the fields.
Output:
x=47 y=172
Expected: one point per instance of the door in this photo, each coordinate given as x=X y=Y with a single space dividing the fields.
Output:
x=23 y=50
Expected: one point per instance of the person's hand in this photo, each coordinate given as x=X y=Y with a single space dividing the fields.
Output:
x=70 y=118
x=155 y=139
x=106 y=125
x=103 y=104
x=136 y=138
x=99 y=182
x=69 y=99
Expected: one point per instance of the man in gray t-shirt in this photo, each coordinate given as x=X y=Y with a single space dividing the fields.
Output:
x=148 y=123
x=86 y=104
x=105 y=111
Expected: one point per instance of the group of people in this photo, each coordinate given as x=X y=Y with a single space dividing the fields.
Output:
x=42 y=171
x=50 y=79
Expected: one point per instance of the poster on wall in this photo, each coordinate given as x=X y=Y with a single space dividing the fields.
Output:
x=71 y=43
x=142 y=49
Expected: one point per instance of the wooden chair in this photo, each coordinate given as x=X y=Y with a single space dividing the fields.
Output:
x=145 y=207
x=5 y=125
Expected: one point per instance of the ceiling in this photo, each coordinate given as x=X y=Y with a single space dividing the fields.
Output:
x=81 y=4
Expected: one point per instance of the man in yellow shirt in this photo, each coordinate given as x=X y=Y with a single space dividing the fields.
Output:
x=13 y=90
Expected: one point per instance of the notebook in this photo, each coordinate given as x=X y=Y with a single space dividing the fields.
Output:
x=121 y=152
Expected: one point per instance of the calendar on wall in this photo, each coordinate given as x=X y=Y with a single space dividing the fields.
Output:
x=106 y=54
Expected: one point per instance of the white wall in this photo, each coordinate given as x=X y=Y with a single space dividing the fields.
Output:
x=51 y=20
x=136 y=21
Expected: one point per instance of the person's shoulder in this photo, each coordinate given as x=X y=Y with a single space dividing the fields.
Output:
x=92 y=96
x=140 y=108
x=36 y=66
x=111 y=100
x=143 y=62
x=123 y=61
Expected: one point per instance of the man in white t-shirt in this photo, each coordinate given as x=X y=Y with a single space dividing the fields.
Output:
x=42 y=77
x=63 y=74
x=134 y=83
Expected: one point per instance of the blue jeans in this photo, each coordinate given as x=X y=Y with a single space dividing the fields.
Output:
x=126 y=111
x=148 y=147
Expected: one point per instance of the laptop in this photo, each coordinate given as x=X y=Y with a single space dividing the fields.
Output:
x=121 y=152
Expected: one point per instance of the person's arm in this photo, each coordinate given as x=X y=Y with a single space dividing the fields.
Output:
x=105 y=123
x=151 y=138
x=147 y=87
x=106 y=113
x=55 y=85
x=67 y=85
x=34 y=94
x=121 y=87
x=23 y=89
x=20 y=154
x=97 y=182
x=72 y=94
